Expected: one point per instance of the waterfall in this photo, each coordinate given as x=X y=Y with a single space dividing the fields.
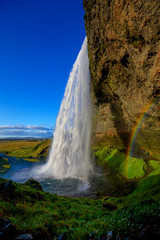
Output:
x=70 y=152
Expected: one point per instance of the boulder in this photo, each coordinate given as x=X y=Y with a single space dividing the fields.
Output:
x=7 y=187
x=62 y=237
x=7 y=230
x=34 y=184
x=24 y=237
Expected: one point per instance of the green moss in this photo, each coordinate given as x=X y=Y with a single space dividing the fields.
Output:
x=154 y=164
x=136 y=168
x=132 y=168
x=4 y=166
x=102 y=153
x=147 y=191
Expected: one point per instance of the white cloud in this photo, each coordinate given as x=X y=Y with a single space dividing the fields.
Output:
x=22 y=127
x=35 y=131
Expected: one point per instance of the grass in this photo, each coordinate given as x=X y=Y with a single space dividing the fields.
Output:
x=32 y=150
x=12 y=145
x=31 y=209
x=4 y=165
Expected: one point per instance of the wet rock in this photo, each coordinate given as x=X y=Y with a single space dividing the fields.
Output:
x=62 y=237
x=34 y=184
x=110 y=236
x=4 y=222
x=24 y=237
x=109 y=206
x=7 y=230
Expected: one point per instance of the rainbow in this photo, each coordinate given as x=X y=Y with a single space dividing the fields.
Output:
x=135 y=131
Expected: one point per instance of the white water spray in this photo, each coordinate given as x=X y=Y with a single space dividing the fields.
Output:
x=70 y=151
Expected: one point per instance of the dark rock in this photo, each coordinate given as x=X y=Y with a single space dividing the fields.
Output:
x=4 y=222
x=34 y=184
x=150 y=232
x=24 y=237
x=111 y=235
x=147 y=231
x=7 y=230
x=109 y=206
x=9 y=187
x=62 y=237
x=38 y=236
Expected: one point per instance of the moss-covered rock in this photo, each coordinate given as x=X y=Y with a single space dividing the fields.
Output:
x=34 y=184
x=128 y=167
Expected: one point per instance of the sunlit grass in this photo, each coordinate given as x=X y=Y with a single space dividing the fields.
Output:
x=12 y=145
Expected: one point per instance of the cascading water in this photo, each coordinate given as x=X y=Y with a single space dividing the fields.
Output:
x=70 y=152
x=67 y=169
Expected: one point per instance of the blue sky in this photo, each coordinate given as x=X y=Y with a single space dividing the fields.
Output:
x=39 y=42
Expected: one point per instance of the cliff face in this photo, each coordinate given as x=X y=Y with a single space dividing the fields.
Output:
x=124 y=53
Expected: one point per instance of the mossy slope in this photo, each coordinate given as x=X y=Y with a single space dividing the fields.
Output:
x=30 y=209
x=128 y=167
x=38 y=151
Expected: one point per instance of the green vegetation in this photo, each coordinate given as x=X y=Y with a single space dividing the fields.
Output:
x=124 y=211
x=40 y=150
x=147 y=191
x=30 y=209
x=148 y=174
x=128 y=167
x=4 y=165
x=155 y=165
x=12 y=145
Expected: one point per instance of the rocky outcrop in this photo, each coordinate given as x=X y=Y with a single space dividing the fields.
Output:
x=124 y=54
x=7 y=229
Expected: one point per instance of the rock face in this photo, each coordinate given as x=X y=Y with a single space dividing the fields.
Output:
x=7 y=229
x=124 y=53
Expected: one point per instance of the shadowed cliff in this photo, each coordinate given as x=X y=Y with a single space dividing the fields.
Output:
x=124 y=53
